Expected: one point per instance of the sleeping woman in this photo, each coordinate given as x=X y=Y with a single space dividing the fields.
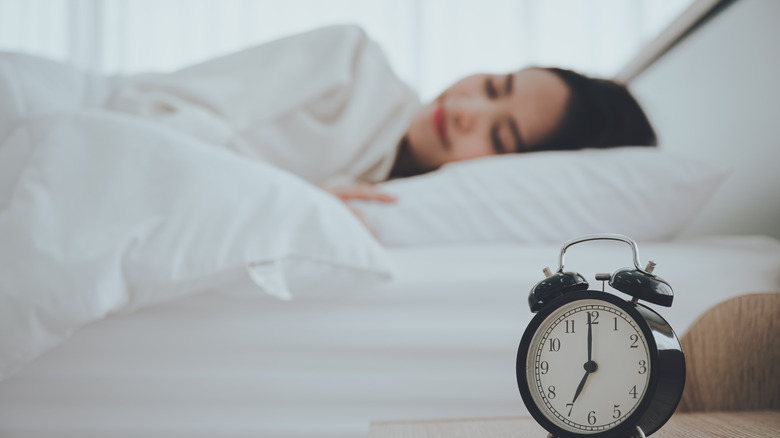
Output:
x=326 y=106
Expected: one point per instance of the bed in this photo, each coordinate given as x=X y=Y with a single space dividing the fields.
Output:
x=438 y=342
x=206 y=343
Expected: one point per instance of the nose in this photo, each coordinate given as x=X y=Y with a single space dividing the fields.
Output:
x=466 y=112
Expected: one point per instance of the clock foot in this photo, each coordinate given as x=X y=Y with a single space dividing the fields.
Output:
x=637 y=434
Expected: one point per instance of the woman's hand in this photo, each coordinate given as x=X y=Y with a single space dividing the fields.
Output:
x=360 y=190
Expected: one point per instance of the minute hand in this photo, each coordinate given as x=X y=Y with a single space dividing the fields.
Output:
x=590 y=337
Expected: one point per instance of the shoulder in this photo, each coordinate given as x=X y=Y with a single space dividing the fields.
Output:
x=348 y=37
x=341 y=31
x=348 y=46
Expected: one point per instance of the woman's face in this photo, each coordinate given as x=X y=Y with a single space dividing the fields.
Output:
x=487 y=114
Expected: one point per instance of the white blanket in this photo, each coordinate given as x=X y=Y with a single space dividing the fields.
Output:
x=324 y=105
x=119 y=193
x=103 y=211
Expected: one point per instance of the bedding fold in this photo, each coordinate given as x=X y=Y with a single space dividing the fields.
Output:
x=104 y=213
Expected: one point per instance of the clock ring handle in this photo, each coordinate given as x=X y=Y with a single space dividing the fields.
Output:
x=604 y=236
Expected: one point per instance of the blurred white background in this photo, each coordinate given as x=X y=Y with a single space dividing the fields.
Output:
x=430 y=43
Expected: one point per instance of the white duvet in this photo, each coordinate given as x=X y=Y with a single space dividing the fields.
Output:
x=102 y=211
x=324 y=105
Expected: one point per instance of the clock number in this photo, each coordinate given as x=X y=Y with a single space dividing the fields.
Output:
x=594 y=317
x=551 y=392
x=616 y=411
x=635 y=339
x=592 y=418
x=545 y=367
x=642 y=367
x=570 y=406
x=615 y=329
x=555 y=344
x=567 y=326
x=633 y=391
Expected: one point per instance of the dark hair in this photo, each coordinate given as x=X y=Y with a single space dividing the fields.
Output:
x=600 y=114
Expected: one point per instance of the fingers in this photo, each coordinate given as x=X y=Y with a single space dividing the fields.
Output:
x=366 y=192
x=360 y=191
x=381 y=197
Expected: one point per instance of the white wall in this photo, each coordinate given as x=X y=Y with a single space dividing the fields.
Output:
x=430 y=43
x=717 y=94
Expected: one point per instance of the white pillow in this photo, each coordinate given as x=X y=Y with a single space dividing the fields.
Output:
x=102 y=213
x=642 y=192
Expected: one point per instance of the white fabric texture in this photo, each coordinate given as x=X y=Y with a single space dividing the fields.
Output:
x=31 y=86
x=324 y=105
x=646 y=193
x=103 y=213
x=440 y=341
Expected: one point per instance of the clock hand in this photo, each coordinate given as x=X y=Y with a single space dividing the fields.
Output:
x=590 y=337
x=582 y=385
x=590 y=366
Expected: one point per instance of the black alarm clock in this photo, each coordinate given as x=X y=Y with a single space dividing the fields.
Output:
x=593 y=364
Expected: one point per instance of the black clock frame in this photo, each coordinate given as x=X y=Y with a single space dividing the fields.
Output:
x=667 y=368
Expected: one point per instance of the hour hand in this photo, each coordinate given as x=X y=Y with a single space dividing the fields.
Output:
x=582 y=385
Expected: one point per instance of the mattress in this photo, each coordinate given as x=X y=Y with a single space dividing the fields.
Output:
x=439 y=341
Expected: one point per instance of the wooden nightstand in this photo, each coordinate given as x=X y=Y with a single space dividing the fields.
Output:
x=712 y=424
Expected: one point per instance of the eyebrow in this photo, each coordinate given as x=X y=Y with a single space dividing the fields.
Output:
x=519 y=143
x=508 y=84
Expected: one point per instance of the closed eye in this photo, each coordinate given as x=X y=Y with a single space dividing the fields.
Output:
x=490 y=88
x=496 y=140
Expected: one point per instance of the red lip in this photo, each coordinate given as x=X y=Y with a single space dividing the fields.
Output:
x=440 y=125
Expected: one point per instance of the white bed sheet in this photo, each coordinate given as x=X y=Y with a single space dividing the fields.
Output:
x=438 y=342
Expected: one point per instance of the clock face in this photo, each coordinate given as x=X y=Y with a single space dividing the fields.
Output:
x=588 y=366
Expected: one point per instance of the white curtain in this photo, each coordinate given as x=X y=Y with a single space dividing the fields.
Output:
x=431 y=43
